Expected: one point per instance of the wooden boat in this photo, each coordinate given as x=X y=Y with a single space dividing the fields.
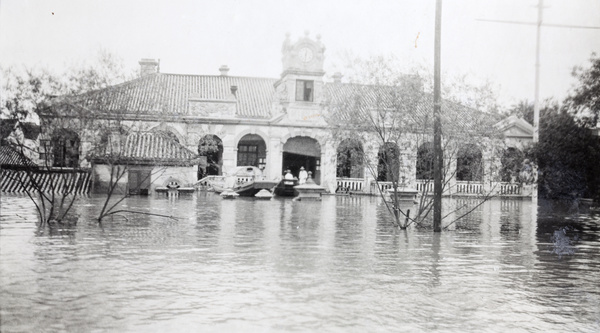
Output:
x=247 y=189
x=285 y=188
x=245 y=181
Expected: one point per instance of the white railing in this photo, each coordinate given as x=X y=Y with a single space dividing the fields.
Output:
x=510 y=189
x=425 y=186
x=465 y=187
x=208 y=180
x=383 y=186
x=350 y=184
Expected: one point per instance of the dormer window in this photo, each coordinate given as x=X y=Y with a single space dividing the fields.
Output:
x=304 y=90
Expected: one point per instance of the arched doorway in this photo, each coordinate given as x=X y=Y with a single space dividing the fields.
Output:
x=350 y=159
x=512 y=161
x=388 y=166
x=468 y=163
x=425 y=161
x=302 y=151
x=252 y=151
x=210 y=149
x=65 y=144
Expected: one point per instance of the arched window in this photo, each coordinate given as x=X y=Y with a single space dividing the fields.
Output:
x=350 y=159
x=468 y=163
x=388 y=167
x=512 y=161
x=252 y=151
x=425 y=161
x=210 y=149
x=65 y=145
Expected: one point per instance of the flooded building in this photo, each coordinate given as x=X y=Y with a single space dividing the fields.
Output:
x=184 y=128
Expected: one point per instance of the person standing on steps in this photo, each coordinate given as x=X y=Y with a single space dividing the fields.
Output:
x=302 y=176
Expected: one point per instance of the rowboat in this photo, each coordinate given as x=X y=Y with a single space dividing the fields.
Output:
x=246 y=181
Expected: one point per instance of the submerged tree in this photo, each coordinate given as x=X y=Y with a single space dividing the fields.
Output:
x=27 y=92
x=52 y=183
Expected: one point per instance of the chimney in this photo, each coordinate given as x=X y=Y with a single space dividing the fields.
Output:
x=337 y=77
x=234 y=90
x=148 y=66
x=224 y=70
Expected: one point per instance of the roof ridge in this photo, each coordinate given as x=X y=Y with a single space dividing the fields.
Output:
x=223 y=76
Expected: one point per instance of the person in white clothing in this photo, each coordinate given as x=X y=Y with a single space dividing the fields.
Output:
x=288 y=175
x=302 y=176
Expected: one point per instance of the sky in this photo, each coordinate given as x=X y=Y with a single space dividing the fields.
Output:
x=197 y=37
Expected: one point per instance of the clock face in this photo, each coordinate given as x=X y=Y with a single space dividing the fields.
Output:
x=305 y=54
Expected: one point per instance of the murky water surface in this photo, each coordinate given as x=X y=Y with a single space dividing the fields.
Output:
x=335 y=265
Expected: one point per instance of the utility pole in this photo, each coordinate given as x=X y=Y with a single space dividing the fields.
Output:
x=438 y=157
x=536 y=102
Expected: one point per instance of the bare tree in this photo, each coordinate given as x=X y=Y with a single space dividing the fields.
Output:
x=390 y=112
x=54 y=182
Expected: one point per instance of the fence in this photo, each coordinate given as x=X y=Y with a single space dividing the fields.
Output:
x=507 y=189
x=350 y=184
x=47 y=181
x=383 y=186
x=460 y=188
x=425 y=186
x=463 y=187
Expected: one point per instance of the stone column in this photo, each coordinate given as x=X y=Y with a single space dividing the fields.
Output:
x=274 y=158
x=328 y=167
x=229 y=153
x=451 y=172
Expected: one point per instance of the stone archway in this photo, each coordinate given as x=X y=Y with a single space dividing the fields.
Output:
x=350 y=157
x=469 y=165
x=512 y=161
x=425 y=161
x=302 y=151
x=210 y=149
x=388 y=166
x=65 y=146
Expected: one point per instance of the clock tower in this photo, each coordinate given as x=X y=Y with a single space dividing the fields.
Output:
x=300 y=88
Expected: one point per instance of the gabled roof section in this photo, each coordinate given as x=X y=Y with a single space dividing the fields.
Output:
x=10 y=158
x=169 y=95
x=155 y=147
x=416 y=108
x=514 y=126
x=149 y=148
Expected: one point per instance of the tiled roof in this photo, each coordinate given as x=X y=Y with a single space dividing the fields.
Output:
x=169 y=94
x=155 y=147
x=10 y=158
x=381 y=97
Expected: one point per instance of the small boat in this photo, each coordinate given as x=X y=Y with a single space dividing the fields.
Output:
x=285 y=188
x=246 y=181
x=229 y=194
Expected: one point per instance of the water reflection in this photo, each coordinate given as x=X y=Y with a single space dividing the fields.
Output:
x=280 y=265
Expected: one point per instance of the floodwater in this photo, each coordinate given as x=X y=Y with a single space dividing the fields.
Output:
x=278 y=266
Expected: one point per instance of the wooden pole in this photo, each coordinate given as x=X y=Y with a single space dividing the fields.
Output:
x=536 y=101
x=438 y=156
